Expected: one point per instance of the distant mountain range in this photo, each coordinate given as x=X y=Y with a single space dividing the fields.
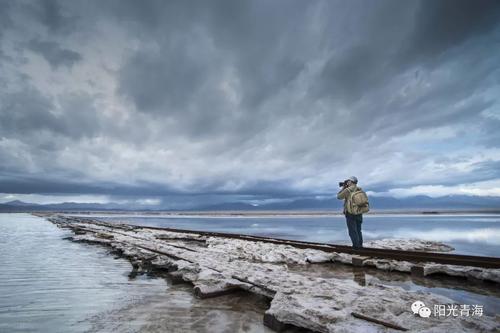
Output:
x=20 y=206
x=376 y=203
x=456 y=202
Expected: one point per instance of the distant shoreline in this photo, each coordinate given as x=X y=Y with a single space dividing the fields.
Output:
x=189 y=213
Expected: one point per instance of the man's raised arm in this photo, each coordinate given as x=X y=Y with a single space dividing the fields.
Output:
x=342 y=194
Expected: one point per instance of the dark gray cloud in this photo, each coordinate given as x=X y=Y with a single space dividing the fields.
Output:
x=445 y=24
x=55 y=55
x=408 y=40
x=162 y=81
x=31 y=113
x=26 y=184
x=249 y=100
x=51 y=14
x=432 y=30
x=26 y=111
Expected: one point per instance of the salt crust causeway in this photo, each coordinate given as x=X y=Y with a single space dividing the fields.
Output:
x=217 y=266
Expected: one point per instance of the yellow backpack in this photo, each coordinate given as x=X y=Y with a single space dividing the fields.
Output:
x=358 y=202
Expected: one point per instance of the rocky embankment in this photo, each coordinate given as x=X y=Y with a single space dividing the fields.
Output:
x=216 y=266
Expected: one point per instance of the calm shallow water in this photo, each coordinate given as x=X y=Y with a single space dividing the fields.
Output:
x=48 y=284
x=469 y=234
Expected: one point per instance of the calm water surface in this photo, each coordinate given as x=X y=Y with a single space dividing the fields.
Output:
x=48 y=284
x=469 y=234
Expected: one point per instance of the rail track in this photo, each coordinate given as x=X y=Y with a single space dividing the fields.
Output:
x=411 y=256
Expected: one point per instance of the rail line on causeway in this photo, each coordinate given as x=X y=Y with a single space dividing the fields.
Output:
x=403 y=255
x=218 y=264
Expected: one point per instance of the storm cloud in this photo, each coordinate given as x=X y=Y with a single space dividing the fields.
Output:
x=55 y=55
x=255 y=100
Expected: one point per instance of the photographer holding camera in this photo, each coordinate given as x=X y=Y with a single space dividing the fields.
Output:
x=355 y=205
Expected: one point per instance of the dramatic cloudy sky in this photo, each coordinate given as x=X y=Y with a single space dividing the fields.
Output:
x=188 y=102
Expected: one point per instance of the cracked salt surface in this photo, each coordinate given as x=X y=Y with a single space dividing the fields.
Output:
x=312 y=302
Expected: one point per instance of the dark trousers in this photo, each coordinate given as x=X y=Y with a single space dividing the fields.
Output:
x=354 y=227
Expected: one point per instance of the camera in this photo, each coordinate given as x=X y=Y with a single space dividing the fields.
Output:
x=342 y=184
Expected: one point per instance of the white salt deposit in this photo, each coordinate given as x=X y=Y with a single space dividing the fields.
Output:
x=319 y=304
x=409 y=244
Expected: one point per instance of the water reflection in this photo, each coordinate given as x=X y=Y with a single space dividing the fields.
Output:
x=468 y=234
x=48 y=284
x=460 y=290
x=177 y=311
x=359 y=275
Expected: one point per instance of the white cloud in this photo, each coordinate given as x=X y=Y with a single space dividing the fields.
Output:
x=485 y=188
x=148 y=201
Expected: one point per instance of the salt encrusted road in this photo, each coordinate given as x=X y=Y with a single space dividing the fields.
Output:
x=216 y=265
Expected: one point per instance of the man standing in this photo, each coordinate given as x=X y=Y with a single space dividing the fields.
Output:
x=355 y=204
